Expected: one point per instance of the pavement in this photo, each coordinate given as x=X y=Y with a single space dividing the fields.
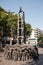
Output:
x=28 y=62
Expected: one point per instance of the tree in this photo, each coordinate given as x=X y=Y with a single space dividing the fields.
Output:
x=12 y=23
x=40 y=38
x=28 y=29
x=3 y=22
x=9 y=22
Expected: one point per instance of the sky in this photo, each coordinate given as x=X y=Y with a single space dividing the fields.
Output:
x=33 y=10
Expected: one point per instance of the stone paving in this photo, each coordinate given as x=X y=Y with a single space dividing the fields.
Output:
x=29 y=62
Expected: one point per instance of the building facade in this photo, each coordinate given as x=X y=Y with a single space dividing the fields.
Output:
x=34 y=36
x=21 y=27
x=35 y=32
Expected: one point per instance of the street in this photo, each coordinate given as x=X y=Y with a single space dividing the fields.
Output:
x=29 y=62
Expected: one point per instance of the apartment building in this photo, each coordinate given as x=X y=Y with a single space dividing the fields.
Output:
x=34 y=36
x=35 y=32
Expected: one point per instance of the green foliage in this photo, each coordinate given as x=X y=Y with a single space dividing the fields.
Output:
x=28 y=29
x=12 y=23
x=8 y=21
x=1 y=9
x=40 y=38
